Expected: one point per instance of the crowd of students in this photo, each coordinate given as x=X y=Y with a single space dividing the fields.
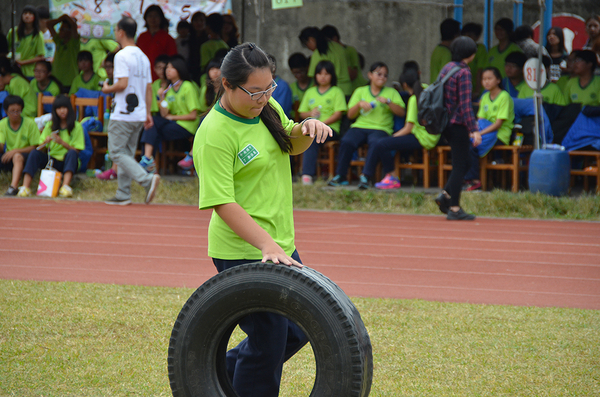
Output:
x=329 y=85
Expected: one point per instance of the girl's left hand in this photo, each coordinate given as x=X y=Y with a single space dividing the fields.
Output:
x=317 y=130
x=56 y=138
x=476 y=137
x=382 y=100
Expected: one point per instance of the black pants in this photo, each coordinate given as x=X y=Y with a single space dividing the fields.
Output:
x=458 y=139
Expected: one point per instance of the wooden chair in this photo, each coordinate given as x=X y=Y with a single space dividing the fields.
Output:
x=99 y=138
x=169 y=151
x=589 y=169
x=44 y=100
x=444 y=167
x=328 y=157
x=515 y=159
x=420 y=160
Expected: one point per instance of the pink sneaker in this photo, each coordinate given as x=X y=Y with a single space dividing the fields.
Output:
x=107 y=175
x=389 y=182
x=187 y=162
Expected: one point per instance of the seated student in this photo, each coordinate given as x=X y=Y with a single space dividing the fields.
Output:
x=441 y=55
x=373 y=106
x=87 y=78
x=208 y=50
x=473 y=30
x=283 y=93
x=551 y=94
x=568 y=73
x=220 y=54
x=584 y=88
x=43 y=80
x=99 y=48
x=20 y=134
x=410 y=137
x=160 y=64
x=327 y=103
x=503 y=29
x=63 y=138
x=298 y=65
x=496 y=120
x=513 y=68
x=15 y=84
x=67 y=48
x=179 y=116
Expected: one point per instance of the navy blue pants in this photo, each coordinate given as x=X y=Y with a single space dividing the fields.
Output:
x=164 y=130
x=383 y=151
x=38 y=160
x=309 y=157
x=352 y=140
x=255 y=365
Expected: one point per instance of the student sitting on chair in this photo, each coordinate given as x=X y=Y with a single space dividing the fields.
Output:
x=86 y=79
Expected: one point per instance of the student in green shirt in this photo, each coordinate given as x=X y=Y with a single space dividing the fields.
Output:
x=67 y=49
x=441 y=55
x=99 y=49
x=298 y=64
x=214 y=25
x=160 y=64
x=29 y=41
x=15 y=84
x=473 y=30
x=352 y=59
x=551 y=93
x=513 y=70
x=497 y=55
x=584 y=88
x=242 y=157
x=43 y=80
x=20 y=134
x=87 y=78
x=179 y=107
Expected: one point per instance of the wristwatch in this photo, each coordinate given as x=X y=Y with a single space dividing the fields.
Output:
x=389 y=100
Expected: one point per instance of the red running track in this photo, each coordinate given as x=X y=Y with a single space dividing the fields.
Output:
x=490 y=261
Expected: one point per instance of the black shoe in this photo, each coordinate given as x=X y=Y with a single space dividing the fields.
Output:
x=443 y=203
x=11 y=191
x=116 y=201
x=459 y=215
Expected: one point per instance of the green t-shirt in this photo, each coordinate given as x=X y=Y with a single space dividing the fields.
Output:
x=238 y=161
x=502 y=107
x=53 y=89
x=497 y=58
x=587 y=96
x=75 y=139
x=64 y=66
x=380 y=117
x=550 y=94
x=183 y=101
x=427 y=140
x=19 y=86
x=209 y=49
x=26 y=48
x=440 y=56
x=354 y=63
x=331 y=101
x=155 y=87
x=92 y=84
x=562 y=82
x=336 y=55
x=26 y=135
x=99 y=48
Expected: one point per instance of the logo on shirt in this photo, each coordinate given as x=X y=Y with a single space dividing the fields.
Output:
x=247 y=154
x=485 y=108
x=311 y=101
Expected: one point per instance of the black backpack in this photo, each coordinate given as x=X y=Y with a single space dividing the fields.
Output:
x=432 y=114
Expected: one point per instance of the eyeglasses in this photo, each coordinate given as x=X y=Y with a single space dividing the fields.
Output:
x=15 y=111
x=255 y=96
x=379 y=74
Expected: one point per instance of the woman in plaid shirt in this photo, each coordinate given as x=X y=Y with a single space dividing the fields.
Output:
x=462 y=129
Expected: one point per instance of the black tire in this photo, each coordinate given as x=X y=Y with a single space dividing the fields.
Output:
x=339 y=339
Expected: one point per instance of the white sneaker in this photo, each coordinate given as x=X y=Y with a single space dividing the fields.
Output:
x=307 y=180
x=153 y=186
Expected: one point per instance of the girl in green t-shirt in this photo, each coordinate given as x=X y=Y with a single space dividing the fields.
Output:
x=29 y=41
x=179 y=112
x=409 y=138
x=15 y=84
x=325 y=102
x=242 y=157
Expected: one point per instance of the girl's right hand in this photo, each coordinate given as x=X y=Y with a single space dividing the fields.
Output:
x=274 y=253
x=476 y=137
x=365 y=105
x=315 y=113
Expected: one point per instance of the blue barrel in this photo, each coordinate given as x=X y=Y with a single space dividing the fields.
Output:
x=549 y=172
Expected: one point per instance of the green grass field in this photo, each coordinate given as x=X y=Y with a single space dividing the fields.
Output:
x=71 y=339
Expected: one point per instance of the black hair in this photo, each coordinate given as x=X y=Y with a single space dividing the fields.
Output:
x=329 y=68
x=410 y=65
x=63 y=101
x=215 y=22
x=13 y=100
x=377 y=65
x=110 y=57
x=517 y=57
x=210 y=95
x=162 y=58
x=298 y=60
x=588 y=56
x=35 y=24
x=330 y=32
x=507 y=25
x=472 y=28
x=43 y=12
x=48 y=67
x=523 y=32
x=164 y=22
x=462 y=47
x=237 y=66
x=128 y=25
x=494 y=70
x=361 y=61
x=449 y=29
x=547 y=62
x=85 y=56
x=183 y=24
x=558 y=32
x=6 y=67
x=314 y=32
x=221 y=52
x=410 y=77
x=180 y=65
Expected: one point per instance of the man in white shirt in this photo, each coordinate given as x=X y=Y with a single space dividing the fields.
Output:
x=131 y=112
